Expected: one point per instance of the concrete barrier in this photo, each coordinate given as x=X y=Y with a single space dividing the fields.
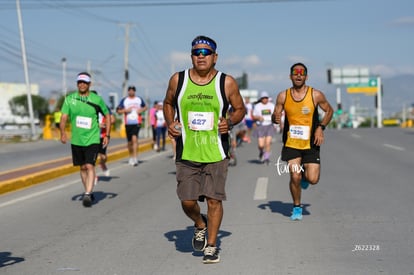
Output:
x=28 y=179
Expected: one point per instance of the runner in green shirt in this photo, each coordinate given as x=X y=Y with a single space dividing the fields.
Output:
x=82 y=108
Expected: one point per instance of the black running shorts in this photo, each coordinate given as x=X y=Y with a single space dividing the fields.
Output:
x=84 y=154
x=308 y=156
x=132 y=130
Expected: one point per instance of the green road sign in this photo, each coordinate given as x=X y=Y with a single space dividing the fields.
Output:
x=367 y=88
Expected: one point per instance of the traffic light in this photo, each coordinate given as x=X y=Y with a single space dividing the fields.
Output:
x=113 y=99
x=111 y=102
x=339 y=111
x=329 y=73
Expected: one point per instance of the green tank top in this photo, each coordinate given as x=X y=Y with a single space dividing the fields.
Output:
x=199 y=109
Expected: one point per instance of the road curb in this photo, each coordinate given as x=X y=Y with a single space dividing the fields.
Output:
x=63 y=170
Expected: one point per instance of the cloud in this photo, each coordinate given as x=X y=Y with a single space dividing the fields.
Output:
x=404 y=21
x=294 y=59
x=262 y=77
x=382 y=70
x=240 y=61
x=180 y=58
x=252 y=60
x=388 y=71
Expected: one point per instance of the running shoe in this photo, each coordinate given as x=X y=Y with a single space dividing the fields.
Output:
x=87 y=200
x=261 y=155
x=107 y=173
x=304 y=183
x=211 y=255
x=199 y=238
x=296 y=214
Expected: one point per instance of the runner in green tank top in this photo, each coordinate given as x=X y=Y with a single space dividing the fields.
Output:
x=200 y=97
x=201 y=106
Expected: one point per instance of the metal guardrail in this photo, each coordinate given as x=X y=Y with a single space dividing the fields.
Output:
x=20 y=134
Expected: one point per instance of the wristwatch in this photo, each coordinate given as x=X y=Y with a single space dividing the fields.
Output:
x=322 y=126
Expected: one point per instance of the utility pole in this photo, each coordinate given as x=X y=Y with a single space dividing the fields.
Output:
x=26 y=71
x=404 y=115
x=126 y=49
x=339 y=108
x=64 y=88
x=89 y=71
x=379 y=103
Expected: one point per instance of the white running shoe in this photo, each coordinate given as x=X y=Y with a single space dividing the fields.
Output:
x=107 y=173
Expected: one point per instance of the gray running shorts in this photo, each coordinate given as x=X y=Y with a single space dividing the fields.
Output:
x=264 y=131
x=196 y=181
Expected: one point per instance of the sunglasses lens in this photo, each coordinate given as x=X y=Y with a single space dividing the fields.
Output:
x=298 y=72
x=204 y=52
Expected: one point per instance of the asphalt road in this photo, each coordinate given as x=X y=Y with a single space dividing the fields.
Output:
x=357 y=220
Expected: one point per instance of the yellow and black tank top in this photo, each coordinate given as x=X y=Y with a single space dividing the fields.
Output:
x=301 y=121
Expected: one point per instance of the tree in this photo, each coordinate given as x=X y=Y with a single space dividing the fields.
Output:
x=242 y=81
x=19 y=106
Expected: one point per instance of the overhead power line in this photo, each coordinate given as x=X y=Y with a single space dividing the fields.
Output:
x=36 y=4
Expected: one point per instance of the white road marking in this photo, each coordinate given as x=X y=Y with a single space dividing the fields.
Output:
x=398 y=148
x=33 y=195
x=260 y=193
x=355 y=135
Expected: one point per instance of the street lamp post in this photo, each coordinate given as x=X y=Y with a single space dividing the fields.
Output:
x=26 y=71
x=64 y=89
x=379 y=102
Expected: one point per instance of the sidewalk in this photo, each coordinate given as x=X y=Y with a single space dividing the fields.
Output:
x=28 y=175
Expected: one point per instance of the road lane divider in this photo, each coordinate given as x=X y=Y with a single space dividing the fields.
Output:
x=395 y=147
x=260 y=192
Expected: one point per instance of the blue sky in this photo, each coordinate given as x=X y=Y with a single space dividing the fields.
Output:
x=260 y=39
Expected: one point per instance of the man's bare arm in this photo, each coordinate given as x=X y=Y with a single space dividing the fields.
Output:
x=62 y=126
x=277 y=112
x=235 y=100
x=323 y=103
x=169 y=107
